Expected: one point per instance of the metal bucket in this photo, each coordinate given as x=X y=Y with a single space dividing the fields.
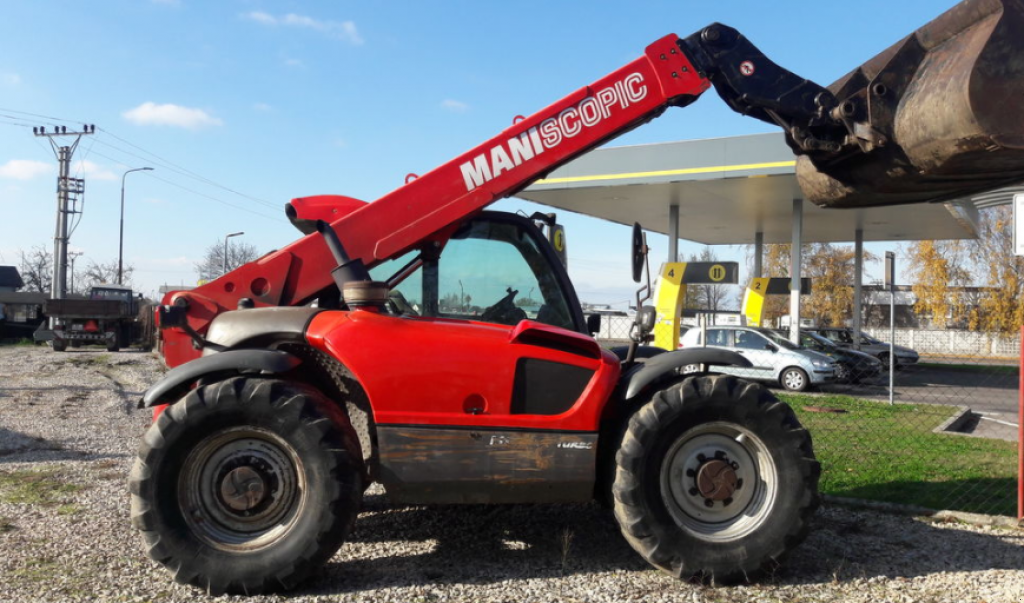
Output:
x=936 y=116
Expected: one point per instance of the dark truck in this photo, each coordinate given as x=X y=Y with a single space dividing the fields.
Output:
x=104 y=318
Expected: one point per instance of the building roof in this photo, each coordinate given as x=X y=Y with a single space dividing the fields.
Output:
x=727 y=190
x=10 y=277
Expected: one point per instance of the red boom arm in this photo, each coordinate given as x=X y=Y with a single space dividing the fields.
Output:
x=423 y=207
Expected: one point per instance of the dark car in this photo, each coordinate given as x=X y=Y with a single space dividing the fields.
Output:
x=848 y=338
x=851 y=366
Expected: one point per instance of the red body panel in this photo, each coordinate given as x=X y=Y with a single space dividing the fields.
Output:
x=428 y=371
x=412 y=214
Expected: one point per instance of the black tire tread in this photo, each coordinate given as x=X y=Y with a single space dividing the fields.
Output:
x=279 y=397
x=658 y=543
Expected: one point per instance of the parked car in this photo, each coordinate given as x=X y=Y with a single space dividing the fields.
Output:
x=851 y=365
x=846 y=338
x=774 y=358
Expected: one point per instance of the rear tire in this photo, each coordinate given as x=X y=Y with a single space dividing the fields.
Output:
x=715 y=480
x=59 y=345
x=247 y=485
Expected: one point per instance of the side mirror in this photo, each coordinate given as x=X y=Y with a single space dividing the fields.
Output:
x=645 y=318
x=638 y=252
x=593 y=324
x=771 y=348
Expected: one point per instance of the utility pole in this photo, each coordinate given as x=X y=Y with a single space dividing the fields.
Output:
x=68 y=192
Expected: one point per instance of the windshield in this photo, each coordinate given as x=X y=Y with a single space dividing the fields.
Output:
x=818 y=339
x=779 y=340
x=865 y=338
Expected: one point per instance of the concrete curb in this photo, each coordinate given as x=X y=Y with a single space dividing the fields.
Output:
x=976 y=519
x=953 y=423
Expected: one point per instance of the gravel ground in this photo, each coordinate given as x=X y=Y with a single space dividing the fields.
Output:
x=69 y=430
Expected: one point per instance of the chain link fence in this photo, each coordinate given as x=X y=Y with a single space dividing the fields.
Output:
x=944 y=436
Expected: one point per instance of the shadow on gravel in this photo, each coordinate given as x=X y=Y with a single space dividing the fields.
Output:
x=14 y=445
x=486 y=545
x=476 y=544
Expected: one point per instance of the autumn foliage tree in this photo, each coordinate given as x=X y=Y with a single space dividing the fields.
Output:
x=933 y=267
x=831 y=270
x=1001 y=309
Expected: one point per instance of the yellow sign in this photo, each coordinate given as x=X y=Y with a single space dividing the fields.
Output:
x=560 y=240
x=717 y=273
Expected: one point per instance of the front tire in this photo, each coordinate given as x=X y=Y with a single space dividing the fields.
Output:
x=715 y=480
x=247 y=485
x=794 y=379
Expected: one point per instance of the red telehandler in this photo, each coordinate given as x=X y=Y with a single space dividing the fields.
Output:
x=440 y=350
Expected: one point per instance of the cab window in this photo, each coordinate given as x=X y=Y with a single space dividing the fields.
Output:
x=491 y=270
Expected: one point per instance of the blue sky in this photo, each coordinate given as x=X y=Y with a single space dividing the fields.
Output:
x=241 y=105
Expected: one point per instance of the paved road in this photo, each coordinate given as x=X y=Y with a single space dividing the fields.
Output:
x=991 y=395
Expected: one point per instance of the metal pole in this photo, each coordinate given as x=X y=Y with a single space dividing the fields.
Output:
x=120 y=237
x=58 y=286
x=226 y=237
x=858 y=277
x=673 y=233
x=1020 y=431
x=758 y=254
x=892 y=340
x=794 y=273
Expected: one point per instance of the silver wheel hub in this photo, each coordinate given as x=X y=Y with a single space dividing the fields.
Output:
x=718 y=481
x=241 y=489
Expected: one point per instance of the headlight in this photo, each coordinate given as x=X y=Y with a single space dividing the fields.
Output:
x=822 y=363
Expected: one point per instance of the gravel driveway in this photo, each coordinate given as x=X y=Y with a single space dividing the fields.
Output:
x=69 y=429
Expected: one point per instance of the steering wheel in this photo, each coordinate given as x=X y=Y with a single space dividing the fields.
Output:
x=504 y=311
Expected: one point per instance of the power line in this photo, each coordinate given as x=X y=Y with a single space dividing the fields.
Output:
x=150 y=156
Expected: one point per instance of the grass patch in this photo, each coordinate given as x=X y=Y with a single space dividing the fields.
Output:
x=88 y=360
x=880 y=452
x=39 y=487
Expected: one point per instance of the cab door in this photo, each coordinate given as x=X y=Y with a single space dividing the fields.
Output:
x=483 y=388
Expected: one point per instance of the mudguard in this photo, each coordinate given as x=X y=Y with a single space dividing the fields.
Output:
x=669 y=364
x=177 y=380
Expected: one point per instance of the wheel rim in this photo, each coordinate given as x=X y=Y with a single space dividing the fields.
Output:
x=719 y=481
x=242 y=489
x=842 y=372
x=793 y=379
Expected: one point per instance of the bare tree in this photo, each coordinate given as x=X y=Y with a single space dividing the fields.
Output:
x=710 y=298
x=96 y=273
x=36 y=268
x=212 y=265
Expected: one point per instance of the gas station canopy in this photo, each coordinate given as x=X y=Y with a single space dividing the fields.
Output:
x=727 y=190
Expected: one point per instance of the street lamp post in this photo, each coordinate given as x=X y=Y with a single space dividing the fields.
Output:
x=120 y=238
x=226 y=237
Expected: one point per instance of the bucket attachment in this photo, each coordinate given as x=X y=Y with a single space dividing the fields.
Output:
x=938 y=115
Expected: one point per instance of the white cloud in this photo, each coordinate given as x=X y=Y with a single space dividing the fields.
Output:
x=24 y=169
x=92 y=171
x=342 y=30
x=262 y=107
x=10 y=79
x=454 y=106
x=152 y=114
x=295 y=63
x=261 y=17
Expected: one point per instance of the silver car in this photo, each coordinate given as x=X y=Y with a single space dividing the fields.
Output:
x=773 y=357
